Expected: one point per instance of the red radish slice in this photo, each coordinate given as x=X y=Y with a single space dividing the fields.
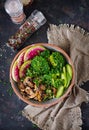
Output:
x=32 y=52
x=20 y=59
x=23 y=68
x=15 y=72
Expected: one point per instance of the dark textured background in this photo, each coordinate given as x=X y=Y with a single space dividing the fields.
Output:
x=57 y=12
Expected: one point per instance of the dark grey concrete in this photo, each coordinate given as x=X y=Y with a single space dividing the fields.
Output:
x=56 y=11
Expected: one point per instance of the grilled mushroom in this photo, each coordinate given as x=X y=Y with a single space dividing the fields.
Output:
x=27 y=82
x=21 y=86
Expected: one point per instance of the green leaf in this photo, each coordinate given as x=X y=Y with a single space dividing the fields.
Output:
x=10 y=91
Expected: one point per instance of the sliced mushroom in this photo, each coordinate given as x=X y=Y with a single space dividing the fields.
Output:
x=25 y=95
x=33 y=95
x=27 y=90
x=39 y=95
x=21 y=86
x=27 y=82
x=35 y=87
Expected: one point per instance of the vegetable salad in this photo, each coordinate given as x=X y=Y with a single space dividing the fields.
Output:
x=48 y=76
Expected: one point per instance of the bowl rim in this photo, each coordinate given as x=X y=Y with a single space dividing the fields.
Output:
x=65 y=95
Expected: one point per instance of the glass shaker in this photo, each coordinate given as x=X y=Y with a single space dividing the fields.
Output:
x=15 y=10
x=33 y=23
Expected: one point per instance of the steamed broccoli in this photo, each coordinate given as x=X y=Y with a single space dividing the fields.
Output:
x=39 y=66
x=57 y=83
x=57 y=60
x=52 y=79
x=45 y=54
x=47 y=79
x=55 y=72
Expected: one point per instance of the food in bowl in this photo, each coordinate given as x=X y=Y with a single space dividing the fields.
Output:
x=42 y=73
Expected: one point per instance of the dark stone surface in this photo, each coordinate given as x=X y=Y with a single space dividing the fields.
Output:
x=56 y=11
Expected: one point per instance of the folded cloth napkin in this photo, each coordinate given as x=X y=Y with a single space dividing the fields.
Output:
x=66 y=115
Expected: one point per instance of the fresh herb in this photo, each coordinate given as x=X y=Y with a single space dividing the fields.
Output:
x=39 y=66
x=10 y=91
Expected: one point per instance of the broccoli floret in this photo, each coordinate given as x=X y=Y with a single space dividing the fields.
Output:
x=55 y=72
x=52 y=80
x=39 y=66
x=47 y=79
x=29 y=73
x=57 y=60
x=45 y=54
x=49 y=93
x=57 y=83
x=37 y=81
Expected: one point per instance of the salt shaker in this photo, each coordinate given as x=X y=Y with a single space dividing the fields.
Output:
x=33 y=23
x=15 y=10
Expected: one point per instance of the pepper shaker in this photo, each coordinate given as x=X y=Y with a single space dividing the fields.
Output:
x=33 y=23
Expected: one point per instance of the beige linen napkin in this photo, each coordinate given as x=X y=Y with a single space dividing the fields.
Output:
x=66 y=115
